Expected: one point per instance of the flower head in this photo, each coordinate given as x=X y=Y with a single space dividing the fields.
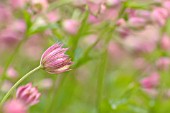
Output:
x=54 y=60
x=160 y=16
x=71 y=26
x=28 y=94
x=151 y=81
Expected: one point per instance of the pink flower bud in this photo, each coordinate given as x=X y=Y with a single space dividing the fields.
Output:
x=165 y=42
x=28 y=94
x=71 y=26
x=151 y=81
x=163 y=63
x=160 y=15
x=14 y=106
x=54 y=59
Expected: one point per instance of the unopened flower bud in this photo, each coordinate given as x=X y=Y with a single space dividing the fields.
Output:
x=54 y=60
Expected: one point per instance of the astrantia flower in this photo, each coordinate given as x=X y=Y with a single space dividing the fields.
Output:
x=54 y=60
x=151 y=81
x=28 y=94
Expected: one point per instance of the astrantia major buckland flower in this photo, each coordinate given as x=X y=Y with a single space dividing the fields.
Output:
x=28 y=94
x=54 y=60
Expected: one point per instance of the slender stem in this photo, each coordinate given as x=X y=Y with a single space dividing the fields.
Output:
x=17 y=83
x=100 y=80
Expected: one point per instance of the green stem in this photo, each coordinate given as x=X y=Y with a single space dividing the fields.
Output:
x=100 y=81
x=17 y=83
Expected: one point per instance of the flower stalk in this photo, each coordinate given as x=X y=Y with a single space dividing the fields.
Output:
x=18 y=82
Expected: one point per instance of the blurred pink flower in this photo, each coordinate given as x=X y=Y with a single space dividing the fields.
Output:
x=9 y=37
x=166 y=4
x=151 y=81
x=12 y=73
x=160 y=15
x=145 y=46
x=131 y=12
x=163 y=63
x=14 y=106
x=71 y=26
x=143 y=41
x=28 y=94
x=53 y=16
x=5 y=14
x=93 y=19
x=18 y=26
x=115 y=50
x=121 y=22
x=94 y=7
x=124 y=32
x=110 y=14
x=54 y=59
x=165 y=42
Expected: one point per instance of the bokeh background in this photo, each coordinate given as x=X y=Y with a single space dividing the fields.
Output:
x=120 y=51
